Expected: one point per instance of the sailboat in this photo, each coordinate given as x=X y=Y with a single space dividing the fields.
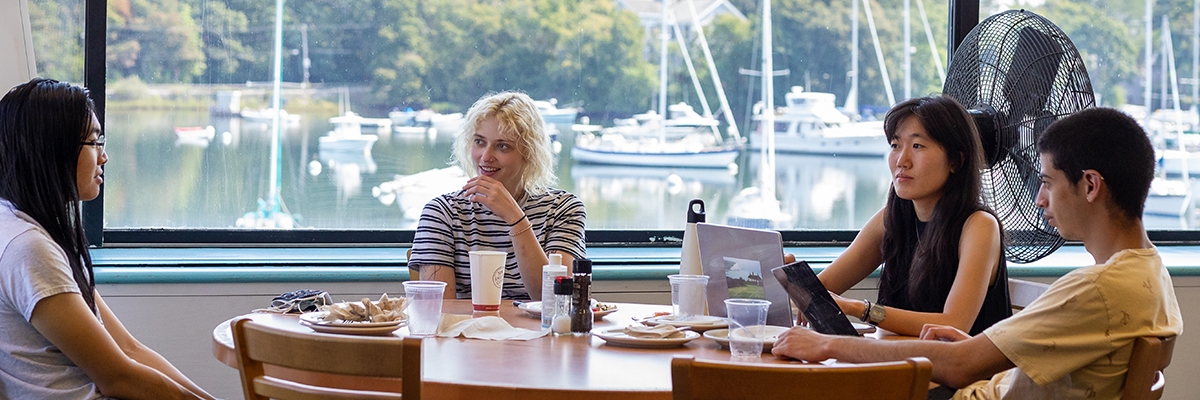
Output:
x=675 y=136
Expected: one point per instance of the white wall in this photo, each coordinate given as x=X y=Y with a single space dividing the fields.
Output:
x=177 y=320
x=16 y=45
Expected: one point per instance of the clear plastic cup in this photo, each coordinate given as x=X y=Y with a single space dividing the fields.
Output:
x=747 y=326
x=689 y=295
x=424 y=306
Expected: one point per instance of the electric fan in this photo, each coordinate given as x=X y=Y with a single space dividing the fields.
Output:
x=1016 y=73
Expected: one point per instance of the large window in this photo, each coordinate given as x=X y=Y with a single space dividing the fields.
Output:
x=190 y=90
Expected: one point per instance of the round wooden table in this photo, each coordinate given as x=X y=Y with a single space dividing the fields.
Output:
x=549 y=367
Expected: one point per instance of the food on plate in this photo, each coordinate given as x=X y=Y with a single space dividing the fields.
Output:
x=384 y=310
x=597 y=306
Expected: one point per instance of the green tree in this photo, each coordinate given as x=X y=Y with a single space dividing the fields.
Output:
x=156 y=40
x=58 y=39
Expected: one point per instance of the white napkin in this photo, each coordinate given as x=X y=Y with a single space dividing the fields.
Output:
x=653 y=332
x=488 y=328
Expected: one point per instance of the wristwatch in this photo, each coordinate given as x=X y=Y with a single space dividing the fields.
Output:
x=876 y=314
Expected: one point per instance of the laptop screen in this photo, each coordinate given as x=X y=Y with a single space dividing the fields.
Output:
x=737 y=261
x=809 y=294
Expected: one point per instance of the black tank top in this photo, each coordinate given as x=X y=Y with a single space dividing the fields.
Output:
x=996 y=304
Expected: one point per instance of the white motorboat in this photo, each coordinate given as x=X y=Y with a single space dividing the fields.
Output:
x=267 y=115
x=347 y=136
x=350 y=117
x=810 y=123
x=551 y=114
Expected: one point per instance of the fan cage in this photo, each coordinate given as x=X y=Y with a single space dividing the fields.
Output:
x=1018 y=73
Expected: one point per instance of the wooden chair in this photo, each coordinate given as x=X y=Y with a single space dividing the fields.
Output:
x=333 y=355
x=413 y=274
x=1151 y=355
x=1022 y=293
x=699 y=380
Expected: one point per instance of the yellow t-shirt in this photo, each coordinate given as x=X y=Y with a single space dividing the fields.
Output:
x=1074 y=341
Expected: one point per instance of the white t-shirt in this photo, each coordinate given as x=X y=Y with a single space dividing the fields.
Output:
x=32 y=268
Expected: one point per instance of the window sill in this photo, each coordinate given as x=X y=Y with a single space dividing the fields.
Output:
x=228 y=265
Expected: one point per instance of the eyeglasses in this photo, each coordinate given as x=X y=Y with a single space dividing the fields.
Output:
x=98 y=143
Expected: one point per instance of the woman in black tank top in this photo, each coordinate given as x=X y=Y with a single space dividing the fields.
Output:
x=940 y=247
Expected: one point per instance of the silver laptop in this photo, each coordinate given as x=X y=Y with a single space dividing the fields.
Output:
x=738 y=262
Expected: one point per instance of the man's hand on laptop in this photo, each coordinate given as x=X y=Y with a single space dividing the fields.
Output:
x=789 y=258
x=802 y=344
x=943 y=333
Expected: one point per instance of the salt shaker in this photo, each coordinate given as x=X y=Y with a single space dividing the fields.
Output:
x=560 y=310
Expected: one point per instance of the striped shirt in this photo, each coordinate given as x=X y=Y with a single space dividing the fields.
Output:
x=451 y=226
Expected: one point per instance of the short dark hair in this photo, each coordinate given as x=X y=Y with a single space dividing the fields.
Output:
x=1110 y=142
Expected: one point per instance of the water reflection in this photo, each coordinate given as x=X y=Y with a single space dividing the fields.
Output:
x=153 y=181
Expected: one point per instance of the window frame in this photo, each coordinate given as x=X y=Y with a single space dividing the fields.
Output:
x=964 y=15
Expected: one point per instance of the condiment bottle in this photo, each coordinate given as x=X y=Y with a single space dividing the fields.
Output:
x=560 y=310
x=581 y=297
x=689 y=258
x=549 y=272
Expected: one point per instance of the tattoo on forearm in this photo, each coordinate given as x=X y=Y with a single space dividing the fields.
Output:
x=430 y=272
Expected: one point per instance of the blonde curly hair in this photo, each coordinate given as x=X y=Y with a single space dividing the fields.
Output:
x=520 y=122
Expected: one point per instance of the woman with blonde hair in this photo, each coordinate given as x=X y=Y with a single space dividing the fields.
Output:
x=507 y=205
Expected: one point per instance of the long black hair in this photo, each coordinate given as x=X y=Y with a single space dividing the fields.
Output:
x=928 y=256
x=42 y=125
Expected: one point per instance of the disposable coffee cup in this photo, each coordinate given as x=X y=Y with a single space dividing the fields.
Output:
x=487 y=278
x=424 y=306
x=688 y=295
x=747 y=326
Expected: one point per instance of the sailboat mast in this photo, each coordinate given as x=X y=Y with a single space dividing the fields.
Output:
x=1195 y=55
x=662 y=65
x=852 y=98
x=1169 y=53
x=276 y=102
x=907 y=50
x=1149 y=61
x=883 y=72
x=768 y=113
x=712 y=69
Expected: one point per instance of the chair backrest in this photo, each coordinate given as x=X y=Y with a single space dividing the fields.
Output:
x=1150 y=356
x=699 y=380
x=413 y=274
x=1022 y=293
x=386 y=357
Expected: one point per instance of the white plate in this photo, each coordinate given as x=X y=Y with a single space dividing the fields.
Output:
x=534 y=309
x=618 y=337
x=368 y=330
x=698 y=323
x=721 y=336
x=318 y=318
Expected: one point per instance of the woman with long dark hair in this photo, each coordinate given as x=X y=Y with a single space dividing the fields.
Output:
x=940 y=246
x=59 y=339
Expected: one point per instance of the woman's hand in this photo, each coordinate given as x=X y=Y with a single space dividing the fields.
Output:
x=493 y=195
x=852 y=308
